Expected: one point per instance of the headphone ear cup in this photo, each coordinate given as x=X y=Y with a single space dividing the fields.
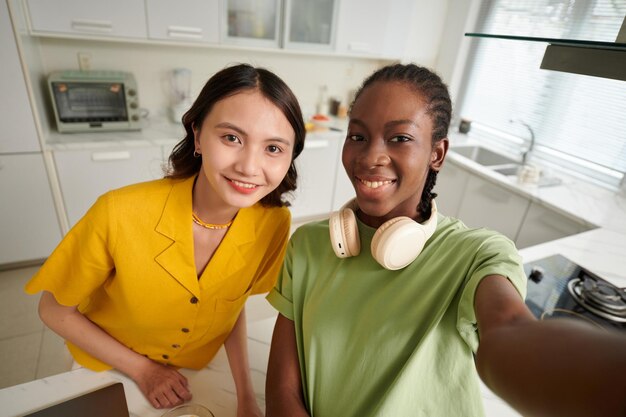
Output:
x=397 y=242
x=344 y=233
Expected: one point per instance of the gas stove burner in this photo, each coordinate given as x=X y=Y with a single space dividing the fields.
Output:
x=599 y=297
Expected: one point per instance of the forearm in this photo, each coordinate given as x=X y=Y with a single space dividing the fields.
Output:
x=236 y=346
x=283 y=388
x=73 y=326
x=556 y=367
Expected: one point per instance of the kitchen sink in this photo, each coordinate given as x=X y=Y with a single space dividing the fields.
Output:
x=483 y=156
x=509 y=169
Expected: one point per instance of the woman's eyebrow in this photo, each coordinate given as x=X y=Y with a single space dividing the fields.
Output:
x=227 y=125
x=394 y=123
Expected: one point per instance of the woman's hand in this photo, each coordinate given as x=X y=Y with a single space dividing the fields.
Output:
x=162 y=385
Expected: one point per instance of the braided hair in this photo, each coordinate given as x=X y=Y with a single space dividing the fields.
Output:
x=439 y=107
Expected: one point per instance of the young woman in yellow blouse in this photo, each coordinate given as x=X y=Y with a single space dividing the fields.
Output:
x=155 y=276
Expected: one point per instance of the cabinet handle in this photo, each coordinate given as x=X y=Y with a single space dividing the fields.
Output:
x=184 y=32
x=316 y=144
x=110 y=156
x=96 y=26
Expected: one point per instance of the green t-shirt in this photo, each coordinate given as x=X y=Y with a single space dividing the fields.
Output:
x=373 y=342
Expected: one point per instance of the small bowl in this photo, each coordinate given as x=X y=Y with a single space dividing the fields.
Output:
x=189 y=410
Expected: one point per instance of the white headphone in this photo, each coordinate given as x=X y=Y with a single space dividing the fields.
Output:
x=396 y=243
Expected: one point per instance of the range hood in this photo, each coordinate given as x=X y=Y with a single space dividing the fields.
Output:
x=595 y=58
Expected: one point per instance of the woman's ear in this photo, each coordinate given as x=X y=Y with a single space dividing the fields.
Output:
x=440 y=149
x=196 y=135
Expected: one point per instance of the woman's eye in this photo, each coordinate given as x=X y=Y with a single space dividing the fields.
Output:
x=232 y=138
x=400 y=138
x=355 y=138
x=274 y=149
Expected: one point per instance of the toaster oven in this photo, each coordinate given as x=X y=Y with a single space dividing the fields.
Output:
x=88 y=101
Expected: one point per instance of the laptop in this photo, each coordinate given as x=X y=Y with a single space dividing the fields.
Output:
x=109 y=401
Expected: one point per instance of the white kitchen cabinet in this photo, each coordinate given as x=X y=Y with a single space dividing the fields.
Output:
x=486 y=204
x=184 y=20
x=84 y=175
x=450 y=188
x=542 y=224
x=252 y=22
x=112 y=18
x=300 y=24
x=316 y=182
x=29 y=228
x=16 y=117
x=310 y=24
x=374 y=27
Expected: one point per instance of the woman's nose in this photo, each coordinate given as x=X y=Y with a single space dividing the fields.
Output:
x=375 y=154
x=248 y=162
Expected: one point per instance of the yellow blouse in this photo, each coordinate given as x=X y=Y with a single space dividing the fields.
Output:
x=129 y=266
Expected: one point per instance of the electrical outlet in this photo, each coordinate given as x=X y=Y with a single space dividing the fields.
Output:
x=84 y=61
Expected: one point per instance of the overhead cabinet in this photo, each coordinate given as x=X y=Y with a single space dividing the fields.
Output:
x=112 y=18
x=16 y=116
x=374 y=27
x=300 y=24
x=369 y=28
x=184 y=20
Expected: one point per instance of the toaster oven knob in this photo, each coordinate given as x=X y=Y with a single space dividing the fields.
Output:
x=134 y=117
x=133 y=105
x=536 y=274
x=131 y=92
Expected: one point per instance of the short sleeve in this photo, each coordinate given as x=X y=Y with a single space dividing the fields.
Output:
x=274 y=257
x=82 y=262
x=281 y=296
x=496 y=256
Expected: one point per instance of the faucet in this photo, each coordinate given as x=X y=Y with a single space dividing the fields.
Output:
x=531 y=145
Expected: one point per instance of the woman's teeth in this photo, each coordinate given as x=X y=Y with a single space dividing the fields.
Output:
x=375 y=184
x=243 y=184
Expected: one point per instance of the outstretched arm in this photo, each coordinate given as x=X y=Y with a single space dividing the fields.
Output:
x=236 y=346
x=283 y=388
x=162 y=385
x=557 y=367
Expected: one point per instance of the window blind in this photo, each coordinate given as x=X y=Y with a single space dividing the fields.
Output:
x=579 y=121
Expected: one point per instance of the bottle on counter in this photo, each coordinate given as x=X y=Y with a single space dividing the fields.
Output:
x=322 y=101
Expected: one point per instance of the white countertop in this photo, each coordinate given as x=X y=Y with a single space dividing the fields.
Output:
x=600 y=250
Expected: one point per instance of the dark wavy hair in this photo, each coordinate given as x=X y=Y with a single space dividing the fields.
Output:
x=439 y=107
x=227 y=82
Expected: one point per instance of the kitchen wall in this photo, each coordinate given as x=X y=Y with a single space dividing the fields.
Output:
x=151 y=63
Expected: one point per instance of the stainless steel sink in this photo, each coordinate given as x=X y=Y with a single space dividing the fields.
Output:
x=510 y=169
x=501 y=164
x=483 y=156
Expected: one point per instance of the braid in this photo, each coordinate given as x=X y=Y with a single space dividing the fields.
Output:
x=438 y=106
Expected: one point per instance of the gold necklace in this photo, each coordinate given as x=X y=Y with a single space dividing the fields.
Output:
x=199 y=222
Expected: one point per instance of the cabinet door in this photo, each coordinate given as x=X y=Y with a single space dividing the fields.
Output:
x=374 y=27
x=84 y=175
x=16 y=116
x=542 y=224
x=488 y=205
x=252 y=22
x=29 y=226
x=116 y=18
x=316 y=177
x=450 y=188
x=310 y=24
x=185 y=20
